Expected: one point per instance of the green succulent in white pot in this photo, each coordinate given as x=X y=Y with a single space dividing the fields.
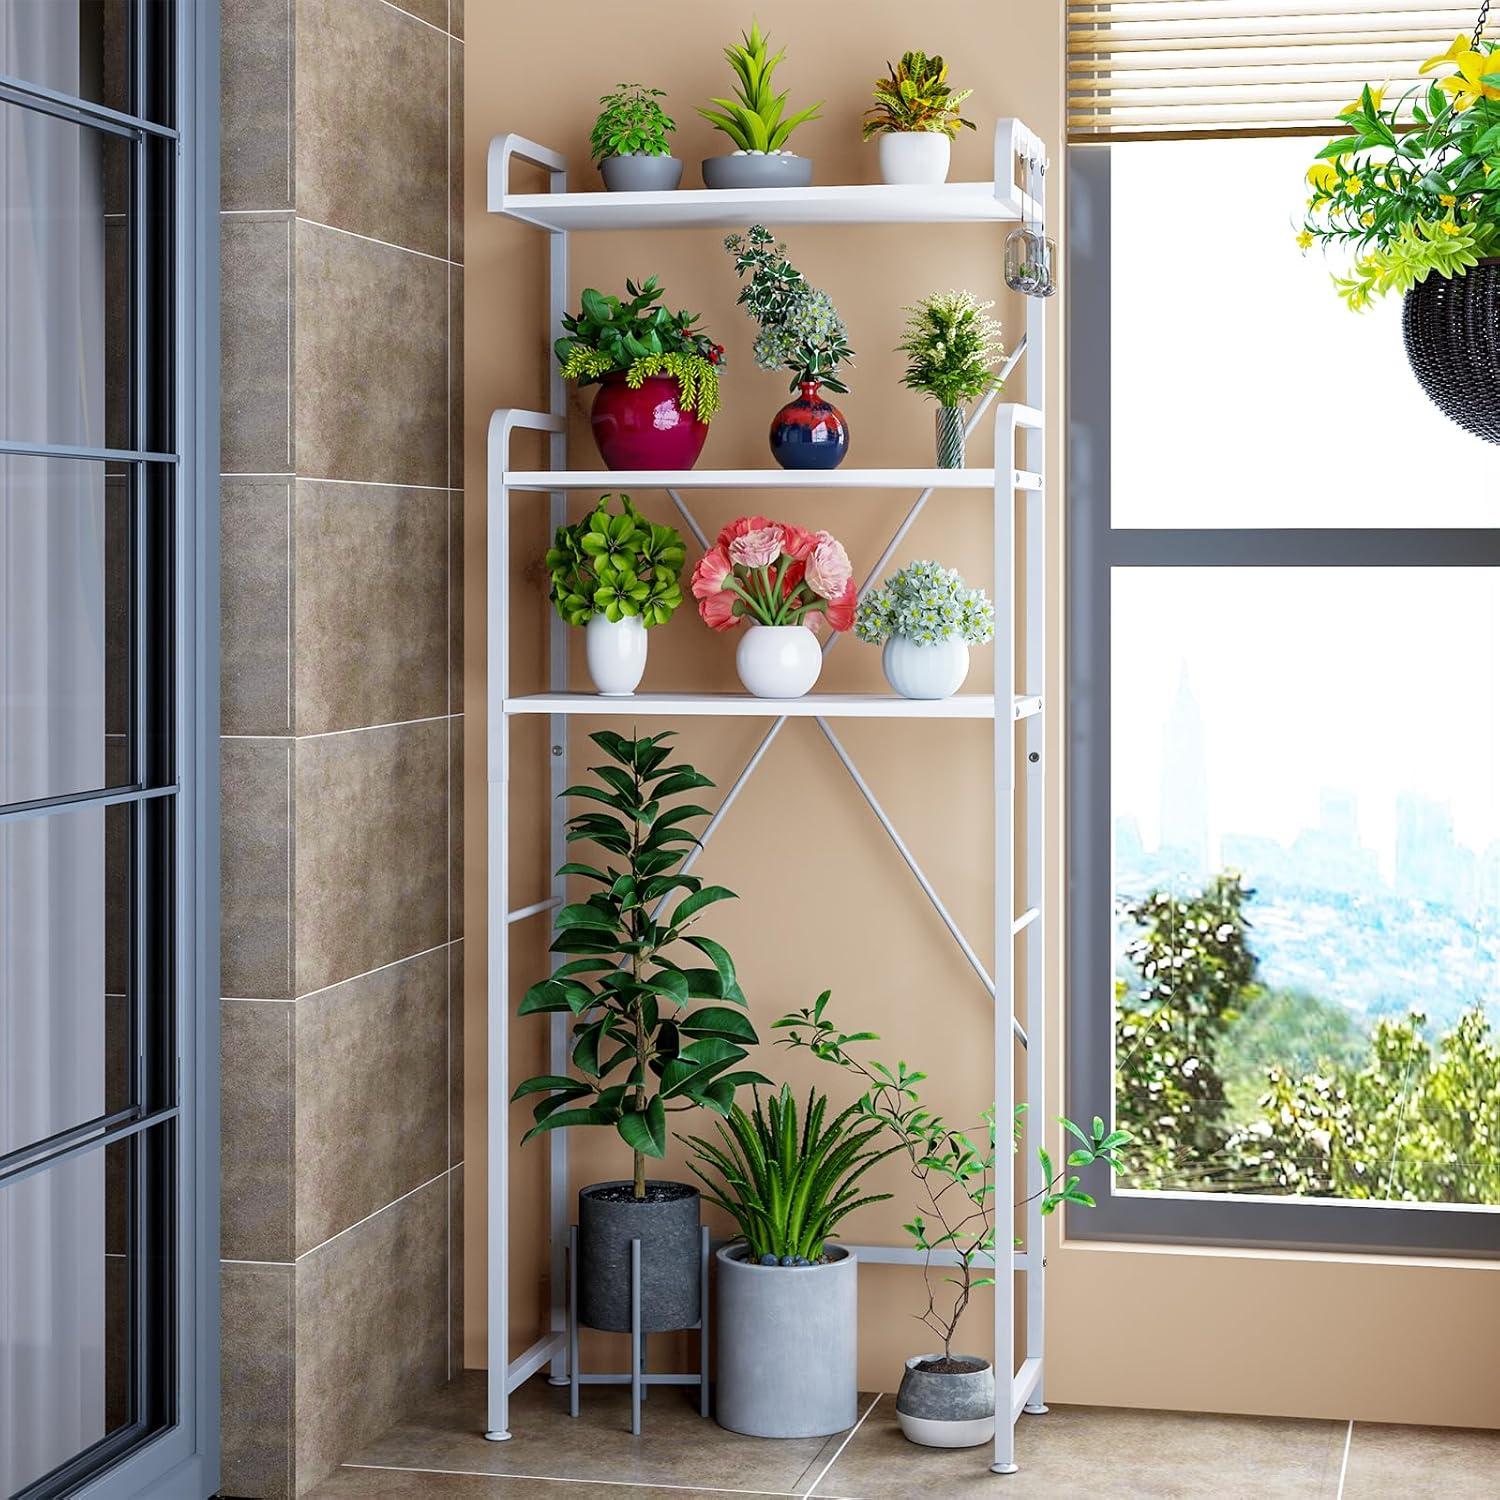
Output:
x=926 y=618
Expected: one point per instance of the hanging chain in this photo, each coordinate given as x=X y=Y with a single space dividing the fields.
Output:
x=1484 y=13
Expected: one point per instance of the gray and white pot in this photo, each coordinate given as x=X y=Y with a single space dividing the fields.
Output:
x=667 y=1224
x=947 y=1408
x=788 y=1346
x=914 y=157
x=757 y=169
x=635 y=172
x=616 y=653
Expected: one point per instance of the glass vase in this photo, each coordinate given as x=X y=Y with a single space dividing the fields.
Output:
x=950 y=437
x=1030 y=262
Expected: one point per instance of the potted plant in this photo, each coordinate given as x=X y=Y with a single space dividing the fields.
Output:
x=783 y=580
x=630 y=141
x=947 y=1400
x=617 y=575
x=788 y=1298
x=952 y=347
x=651 y=1038
x=916 y=116
x=800 y=331
x=657 y=371
x=755 y=122
x=1406 y=188
x=926 y=619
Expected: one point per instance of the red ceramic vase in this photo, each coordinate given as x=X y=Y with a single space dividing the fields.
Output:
x=645 y=428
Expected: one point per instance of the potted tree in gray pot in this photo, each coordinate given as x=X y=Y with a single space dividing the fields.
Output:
x=651 y=1037
x=630 y=141
x=788 y=1297
x=946 y=1398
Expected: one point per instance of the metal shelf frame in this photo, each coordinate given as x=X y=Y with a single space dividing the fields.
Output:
x=1020 y=573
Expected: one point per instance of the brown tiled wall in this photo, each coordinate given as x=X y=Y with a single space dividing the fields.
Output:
x=342 y=721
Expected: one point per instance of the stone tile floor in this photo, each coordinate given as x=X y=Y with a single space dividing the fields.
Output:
x=1073 y=1453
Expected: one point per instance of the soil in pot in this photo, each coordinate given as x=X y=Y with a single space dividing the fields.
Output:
x=957 y=1365
x=666 y=1222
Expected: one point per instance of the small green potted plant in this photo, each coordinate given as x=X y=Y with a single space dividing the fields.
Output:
x=657 y=372
x=788 y=1298
x=926 y=619
x=947 y=1400
x=616 y=575
x=652 y=1036
x=800 y=331
x=952 y=348
x=755 y=120
x=916 y=115
x=631 y=141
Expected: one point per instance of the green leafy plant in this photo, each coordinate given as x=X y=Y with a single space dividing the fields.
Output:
x=754 y=119
x=632 y=123
x=786 y=1188
x=1408 y=187
x=915 y=95
x=639 y=337
x=925 y=602
x=955 y=1174
x=650 y=1036
x=616 y=565
x=800 y=329
x=952 y=348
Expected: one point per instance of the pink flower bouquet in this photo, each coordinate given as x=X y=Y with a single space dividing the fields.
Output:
x=775 y=574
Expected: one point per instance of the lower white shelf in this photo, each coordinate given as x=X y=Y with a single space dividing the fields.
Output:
x=814 y=705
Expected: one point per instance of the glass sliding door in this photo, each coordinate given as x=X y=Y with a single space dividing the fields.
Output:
x=107 y=528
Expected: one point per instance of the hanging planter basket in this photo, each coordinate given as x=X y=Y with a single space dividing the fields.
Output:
x=1452 y=330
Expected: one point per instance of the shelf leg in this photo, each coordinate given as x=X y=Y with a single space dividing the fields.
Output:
x=635 y=1336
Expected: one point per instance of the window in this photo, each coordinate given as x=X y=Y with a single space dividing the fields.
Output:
x=107 y=994
x=1284 y=812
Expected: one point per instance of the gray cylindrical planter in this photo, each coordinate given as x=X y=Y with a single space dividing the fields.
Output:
x=757 y=169
x=637 y=173
x=947 y=1410
x=788 y=1343
x=667 y=1224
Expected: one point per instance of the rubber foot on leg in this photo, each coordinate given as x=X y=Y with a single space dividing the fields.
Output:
x=558 y=1380
x=497 y=1437
x=1004 y=1468
x=1039 y=1410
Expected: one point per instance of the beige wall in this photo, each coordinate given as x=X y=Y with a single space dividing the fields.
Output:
x=1127 y=1326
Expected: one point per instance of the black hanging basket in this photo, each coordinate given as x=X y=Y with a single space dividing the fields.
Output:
x=1452 y=330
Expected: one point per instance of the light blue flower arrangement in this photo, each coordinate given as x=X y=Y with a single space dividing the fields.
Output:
x=926 y=603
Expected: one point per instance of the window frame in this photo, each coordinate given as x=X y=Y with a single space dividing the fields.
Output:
x=171 y=790
x=1093 y=548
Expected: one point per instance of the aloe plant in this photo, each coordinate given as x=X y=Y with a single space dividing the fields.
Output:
x=753 y=120
x=786 y=1188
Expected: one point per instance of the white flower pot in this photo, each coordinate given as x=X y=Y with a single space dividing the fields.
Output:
x=917 y=671
x=616 y=652
x=778 y=661
x=914 y=156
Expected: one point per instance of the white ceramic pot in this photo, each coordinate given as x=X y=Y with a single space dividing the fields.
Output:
x=778 y=661
x=914 y=156
x=916 y=671
x=616 y=652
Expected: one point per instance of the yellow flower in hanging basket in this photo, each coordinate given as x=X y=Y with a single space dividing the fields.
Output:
x=1459 y=47
x=1304 y=240
x=1469 y=85
x=1323 y=175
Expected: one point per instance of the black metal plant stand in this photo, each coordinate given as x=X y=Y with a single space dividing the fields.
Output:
x=637 y=1378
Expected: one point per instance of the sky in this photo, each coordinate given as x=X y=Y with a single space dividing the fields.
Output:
x=1246 y=394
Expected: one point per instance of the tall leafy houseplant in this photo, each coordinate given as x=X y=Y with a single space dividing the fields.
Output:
x=952 y=348
x=651 y=1037
x=954 y=1173
x=755 y=119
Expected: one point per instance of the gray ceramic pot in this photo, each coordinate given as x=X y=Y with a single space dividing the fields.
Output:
x=667 y=1224
x=947 y=1409
x=635 y=173
x=757 y=171
x=788 y=1345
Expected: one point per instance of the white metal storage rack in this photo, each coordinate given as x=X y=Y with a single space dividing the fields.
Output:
x=1019 y=442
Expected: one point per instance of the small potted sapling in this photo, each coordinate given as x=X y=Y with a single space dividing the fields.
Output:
x=755 y=121
x=916 y=116
x=616 y=575
x=652 y=1036
x=947 y=1398
x=788 y=1298
x=630 y=141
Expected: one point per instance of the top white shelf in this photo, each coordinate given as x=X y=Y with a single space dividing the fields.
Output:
x=720 y=208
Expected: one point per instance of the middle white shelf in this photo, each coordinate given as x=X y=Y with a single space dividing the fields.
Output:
x=814 y=705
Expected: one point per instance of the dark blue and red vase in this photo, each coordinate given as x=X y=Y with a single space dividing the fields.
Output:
x=809 y=433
